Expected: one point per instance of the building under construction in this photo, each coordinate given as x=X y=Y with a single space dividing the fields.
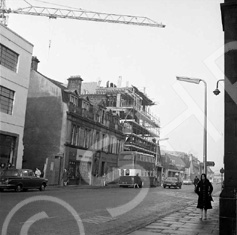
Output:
x=142 y=129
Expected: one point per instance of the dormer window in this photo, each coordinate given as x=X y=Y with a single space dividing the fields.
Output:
x=74 y=100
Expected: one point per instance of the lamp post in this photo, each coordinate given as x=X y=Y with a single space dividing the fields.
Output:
x=157 y=147
x=158 y=152
x=197 y=81
x=217 y=91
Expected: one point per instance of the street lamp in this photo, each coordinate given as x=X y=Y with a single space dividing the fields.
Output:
x=217 y=91
x=197 y=81
x=163 y=139
x=158 y=145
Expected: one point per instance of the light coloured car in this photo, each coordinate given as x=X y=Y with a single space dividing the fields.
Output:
x=187 y=182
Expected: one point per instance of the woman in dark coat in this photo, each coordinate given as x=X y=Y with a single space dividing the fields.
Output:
x=204 y=190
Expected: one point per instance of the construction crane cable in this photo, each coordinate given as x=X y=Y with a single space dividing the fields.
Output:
x=27 y=2
x=54 y=4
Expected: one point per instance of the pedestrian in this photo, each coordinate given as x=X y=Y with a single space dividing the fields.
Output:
x=37 y=172
x=195 y=182
x=204 y=190
x=65 y=177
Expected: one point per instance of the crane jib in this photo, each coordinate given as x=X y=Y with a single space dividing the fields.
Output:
x=54 y=13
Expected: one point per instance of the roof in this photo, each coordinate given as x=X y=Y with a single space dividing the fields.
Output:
x=57 y=83
x=7 y=28
x=125 y=90
x=178 y=161
x=144 y=97
x=89 y=87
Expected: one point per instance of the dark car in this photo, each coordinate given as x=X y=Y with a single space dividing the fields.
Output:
x=172 y=182
x=21 y=179
x=130 y=181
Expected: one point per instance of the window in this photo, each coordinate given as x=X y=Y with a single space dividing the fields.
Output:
x=87 y=138
x=74 y=100
x=8 y=58
x=97 y=139
x=10 y=173
x=103 y=142
x=31 y=173
x=81 y=136
x=73 y=134
x=127 y=172
x=76 y=135
x=6 y=100
x=25 y=173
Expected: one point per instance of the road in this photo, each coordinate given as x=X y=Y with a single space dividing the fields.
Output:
x=102 y=211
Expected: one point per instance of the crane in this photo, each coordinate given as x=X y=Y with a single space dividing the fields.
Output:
x=79 y=14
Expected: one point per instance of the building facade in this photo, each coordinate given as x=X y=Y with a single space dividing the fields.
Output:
x=228 y=197
x=141 y=128
x=186 y=165
x=15 y=62
x=173 y=165
x=67 y=131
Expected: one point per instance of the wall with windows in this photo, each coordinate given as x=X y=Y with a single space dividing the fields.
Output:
x=91 y=135
x=15 y=62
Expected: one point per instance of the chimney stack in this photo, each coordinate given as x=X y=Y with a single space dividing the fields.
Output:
x=74 y=83
x=34 y=63
x=119 y=84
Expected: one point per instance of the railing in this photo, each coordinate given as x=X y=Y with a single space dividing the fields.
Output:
x=142 y=143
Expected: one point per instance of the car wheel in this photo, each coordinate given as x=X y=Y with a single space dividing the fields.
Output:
x=180 y=186
x=164 y=186
x=42 y=187
x=169 y=186
x=18 y=188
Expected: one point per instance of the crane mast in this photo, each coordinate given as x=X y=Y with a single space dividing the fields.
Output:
x=78 y=15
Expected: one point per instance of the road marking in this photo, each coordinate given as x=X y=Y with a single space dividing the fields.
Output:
x=30 y=221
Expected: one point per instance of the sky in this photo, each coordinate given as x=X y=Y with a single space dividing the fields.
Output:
x=149 y=58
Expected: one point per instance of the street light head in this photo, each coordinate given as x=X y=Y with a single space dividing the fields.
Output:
x=216 y=91
x=187 y=79
x=163 y=139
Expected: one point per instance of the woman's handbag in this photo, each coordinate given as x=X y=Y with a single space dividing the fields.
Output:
x=210 y=198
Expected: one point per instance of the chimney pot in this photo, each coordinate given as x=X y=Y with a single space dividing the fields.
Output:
x=34 y=63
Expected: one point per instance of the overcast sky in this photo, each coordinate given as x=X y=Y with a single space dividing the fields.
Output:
x=190 y=45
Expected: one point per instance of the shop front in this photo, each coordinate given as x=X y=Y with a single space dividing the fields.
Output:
x=87 y=167
x=79 y=166
x=104 y=169
x=8 y=145
x=109 y=167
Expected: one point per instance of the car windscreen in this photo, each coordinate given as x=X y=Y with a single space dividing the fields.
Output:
x=10 y=173
x=171 y=179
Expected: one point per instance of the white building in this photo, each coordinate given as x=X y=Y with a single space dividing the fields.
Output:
x=15 y=62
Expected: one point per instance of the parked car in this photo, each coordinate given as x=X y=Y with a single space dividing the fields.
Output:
x=21 y=179
x=172 y=182
x=187 y=182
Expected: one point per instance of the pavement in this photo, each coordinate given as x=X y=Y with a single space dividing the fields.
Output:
x=53 y=187
x=185 y=222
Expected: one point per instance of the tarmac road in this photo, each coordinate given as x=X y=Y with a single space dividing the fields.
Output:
x=78 y=210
